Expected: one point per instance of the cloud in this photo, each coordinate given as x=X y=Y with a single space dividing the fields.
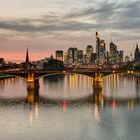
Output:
x=108 y=15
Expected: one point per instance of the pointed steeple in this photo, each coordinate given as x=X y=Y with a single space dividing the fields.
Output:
x=27 y=57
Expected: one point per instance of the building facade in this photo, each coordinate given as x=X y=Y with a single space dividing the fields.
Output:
x=113 y=53
x=59 y=55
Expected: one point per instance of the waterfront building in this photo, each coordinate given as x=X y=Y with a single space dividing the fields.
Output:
x=72 y=54
x=113 y=53
x=65 y=58
x=84 y=59
x=120 y=56
x=102 y=53
x=59 y=55
x=137 y=54
x=93 y=58
x=80 y=56
x=89 y=51
x=97 y=49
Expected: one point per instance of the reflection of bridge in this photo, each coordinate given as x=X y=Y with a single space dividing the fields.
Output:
x=98 y=97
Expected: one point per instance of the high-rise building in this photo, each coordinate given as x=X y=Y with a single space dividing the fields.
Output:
x=120 y=56
x=89 y=51
x=113 y=53
x=80 y=56
x=93 y=58
x=72 y=55
x=59 y=55
x=137 y=54
x=84 y=59
x=102 y=53
x=65 y=58
x=97 y=49
x=107 y=58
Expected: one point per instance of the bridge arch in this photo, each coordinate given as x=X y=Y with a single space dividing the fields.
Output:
x=60 y=73
x=11 y=76
x=112 y=74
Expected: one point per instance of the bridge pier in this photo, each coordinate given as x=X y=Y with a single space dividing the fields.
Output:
x=97 y=88
x=31 y=77
x=98 y=77
x=34 y=85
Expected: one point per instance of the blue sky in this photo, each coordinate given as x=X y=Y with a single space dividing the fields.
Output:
x=47 y=25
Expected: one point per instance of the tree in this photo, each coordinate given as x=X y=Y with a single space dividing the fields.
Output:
x=54 y=65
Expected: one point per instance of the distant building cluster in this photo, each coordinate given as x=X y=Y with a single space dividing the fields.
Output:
x=98 y=56
x=91 y=56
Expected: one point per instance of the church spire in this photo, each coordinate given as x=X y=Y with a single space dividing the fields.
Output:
x=27 y=57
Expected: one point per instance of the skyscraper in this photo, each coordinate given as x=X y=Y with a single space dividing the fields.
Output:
x=113 y=53
x=80 y=56
x=120 y=56
x=102 y=53
x=97 y=49
x=89 y=51
x=137 y=54
x=72 y=54
x=65 y=58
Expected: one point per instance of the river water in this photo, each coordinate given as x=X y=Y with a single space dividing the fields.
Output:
x=70 y=107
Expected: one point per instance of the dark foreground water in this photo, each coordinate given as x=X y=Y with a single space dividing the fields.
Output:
x=69 y=108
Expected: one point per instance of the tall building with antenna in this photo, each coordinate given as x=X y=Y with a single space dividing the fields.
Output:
x=100 y=51
x=97 y=49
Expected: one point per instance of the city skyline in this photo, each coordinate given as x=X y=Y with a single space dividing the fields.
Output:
x=36 y=25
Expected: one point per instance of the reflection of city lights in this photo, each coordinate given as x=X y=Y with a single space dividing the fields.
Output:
x=31 y=97
x=31 y=118
x=130 y=104
x=97 y=113
x=102 y=103
x=36 y=110
x=64 y=105
x=113 y=104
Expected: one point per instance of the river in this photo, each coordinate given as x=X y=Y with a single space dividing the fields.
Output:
x=70 y=108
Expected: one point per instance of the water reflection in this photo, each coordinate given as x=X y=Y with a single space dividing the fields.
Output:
x=72 y=89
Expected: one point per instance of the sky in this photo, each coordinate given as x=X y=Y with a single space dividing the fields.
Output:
x=44 y=26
